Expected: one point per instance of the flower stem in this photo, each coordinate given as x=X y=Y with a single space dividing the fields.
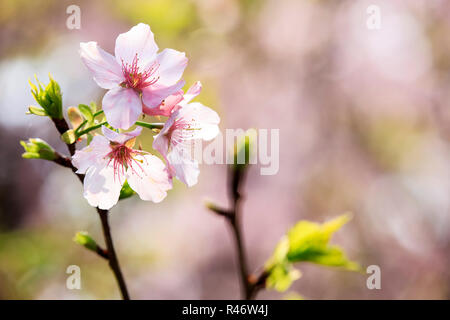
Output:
x=236 y=177
x=112 y=258
x=97 y=126
x=150 y=125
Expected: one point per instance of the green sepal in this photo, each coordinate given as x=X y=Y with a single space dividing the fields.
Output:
x=69 y=136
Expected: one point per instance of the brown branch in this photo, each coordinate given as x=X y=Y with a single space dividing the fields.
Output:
x=112 y=258
x=102 y=252
x=109 y=254
x=62 y=126
x=233 y=216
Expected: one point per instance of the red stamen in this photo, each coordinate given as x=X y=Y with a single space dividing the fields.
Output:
x=137 y=79
x=123 y=158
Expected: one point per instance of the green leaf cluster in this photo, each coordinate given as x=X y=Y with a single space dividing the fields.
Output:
x=306 y=242
x=49 y=97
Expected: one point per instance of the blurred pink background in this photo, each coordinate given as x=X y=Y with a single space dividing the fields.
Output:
x=364 y=125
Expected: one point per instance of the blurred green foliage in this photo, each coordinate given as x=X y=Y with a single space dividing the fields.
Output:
x=167 y=18
x=306 y=242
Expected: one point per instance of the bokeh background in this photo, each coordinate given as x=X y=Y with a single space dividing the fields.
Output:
x=364 y=125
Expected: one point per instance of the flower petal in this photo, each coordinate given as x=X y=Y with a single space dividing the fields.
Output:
x=120 y=137
x=185 y=168
x=122 y=107
x=171 y=66
x=150 y=179
x=138 y=41
x=204 y=122
x=161 y=140
x=104 y=67
x=92 y=154
x=166 y=107
x=101 y=187
x=152 y=96
x=193 y=91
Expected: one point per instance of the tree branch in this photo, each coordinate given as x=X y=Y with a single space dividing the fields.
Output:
x=109 y=254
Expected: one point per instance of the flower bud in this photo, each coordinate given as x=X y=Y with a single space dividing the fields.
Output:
x=37 y=149
x=84 y=239
x=50 y=99
x=75 y=117
x=244 y=149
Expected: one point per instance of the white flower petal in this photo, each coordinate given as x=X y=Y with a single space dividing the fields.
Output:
x=185 y=168
x=92 y=154
x=203 y=120
x=139 y=40
x=101 y=186
x=104 y=67
x=122 y=107
x=120 y=137
x=150 y=179
x=171 y=66
x=193 y=91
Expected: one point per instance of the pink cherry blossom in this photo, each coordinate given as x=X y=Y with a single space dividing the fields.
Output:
x=190 y=122
x=136 y=75
x=174 y=102
x=110 y=160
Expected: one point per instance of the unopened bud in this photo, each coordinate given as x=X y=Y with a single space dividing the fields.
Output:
x=36 y=148
x=84 y=239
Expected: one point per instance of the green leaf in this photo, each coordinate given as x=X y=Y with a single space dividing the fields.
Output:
x=308 y=241
x=126 y=191
x=36 y=111
x=94 y=107
x=282 y=276
x=50 y=98
x=83 y=238
x=69 y=136
x=87 y=112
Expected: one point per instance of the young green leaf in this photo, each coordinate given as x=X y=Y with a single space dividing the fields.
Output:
x=306 y=241
x=36 y=111
x=87 y=112
x=50 y=98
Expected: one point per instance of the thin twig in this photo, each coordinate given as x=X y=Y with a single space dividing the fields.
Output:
x=112 y=258
x=109 y=253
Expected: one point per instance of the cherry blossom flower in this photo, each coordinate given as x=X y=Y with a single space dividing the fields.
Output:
x=189 y=122
x=136 y=75
x=110 y=160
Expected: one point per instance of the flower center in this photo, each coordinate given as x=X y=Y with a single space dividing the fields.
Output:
x=182 y=131
x=137 y=79
x=123 y=158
